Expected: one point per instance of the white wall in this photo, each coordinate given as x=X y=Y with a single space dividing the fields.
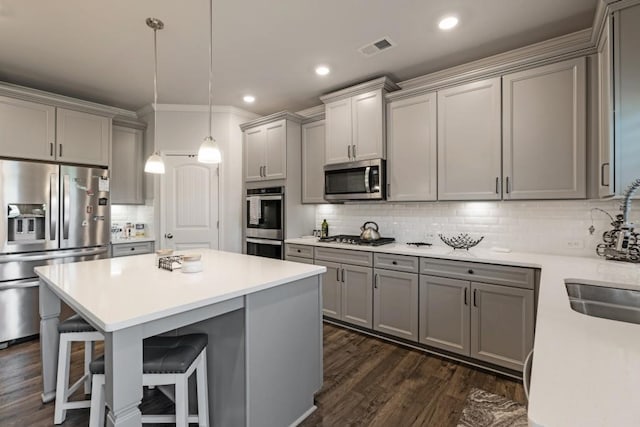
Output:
x=535 y=226
x=182 y=128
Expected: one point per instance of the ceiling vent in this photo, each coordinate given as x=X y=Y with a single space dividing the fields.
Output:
x=377 y=46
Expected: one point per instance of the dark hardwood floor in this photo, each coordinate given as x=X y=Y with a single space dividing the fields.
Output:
x=367 y=382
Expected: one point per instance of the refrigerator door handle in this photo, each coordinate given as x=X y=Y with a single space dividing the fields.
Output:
x=67 y=206
x=42 y=256
x=18 y=284
x=53 y=206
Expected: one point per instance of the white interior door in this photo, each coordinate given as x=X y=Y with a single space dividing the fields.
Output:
x=189 y=204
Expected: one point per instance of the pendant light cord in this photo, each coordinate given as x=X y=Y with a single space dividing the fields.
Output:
x=155 y=84
x=210 y=63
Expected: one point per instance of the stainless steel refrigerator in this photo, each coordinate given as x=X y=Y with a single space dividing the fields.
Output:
x=52 y=214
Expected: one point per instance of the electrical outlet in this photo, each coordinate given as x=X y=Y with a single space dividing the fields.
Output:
x=430 y=236
x=575 y=244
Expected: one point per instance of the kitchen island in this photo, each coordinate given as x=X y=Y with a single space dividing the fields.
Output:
x=263 y=318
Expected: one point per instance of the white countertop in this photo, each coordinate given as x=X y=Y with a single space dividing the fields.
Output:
x=119 y=292
x=122 y=241
x=586 y=370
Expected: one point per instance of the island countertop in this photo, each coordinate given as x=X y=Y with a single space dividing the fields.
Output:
x=116 y=293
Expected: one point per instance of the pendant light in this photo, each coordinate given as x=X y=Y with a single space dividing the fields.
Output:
x=209 y=151
x=154 y=163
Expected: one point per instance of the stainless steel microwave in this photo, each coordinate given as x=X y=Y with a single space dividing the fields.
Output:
x=363 y=180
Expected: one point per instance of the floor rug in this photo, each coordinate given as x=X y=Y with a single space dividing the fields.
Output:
x=484 y=409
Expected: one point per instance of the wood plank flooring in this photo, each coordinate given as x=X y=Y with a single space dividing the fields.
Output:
x=367 y=382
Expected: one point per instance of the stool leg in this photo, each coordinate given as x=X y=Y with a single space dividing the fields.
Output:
x=96 y=416
x=62 y=384
x=182 y=401
x=88 y=357
x=203 y=393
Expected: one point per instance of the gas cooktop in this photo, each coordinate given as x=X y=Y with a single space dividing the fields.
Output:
x=356 y=240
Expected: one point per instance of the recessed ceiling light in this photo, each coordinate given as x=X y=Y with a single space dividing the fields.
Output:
x=322 y=70
x=448 y=22
x=249 y=99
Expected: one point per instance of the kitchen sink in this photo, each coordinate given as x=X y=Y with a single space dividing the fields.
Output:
x=605 y=302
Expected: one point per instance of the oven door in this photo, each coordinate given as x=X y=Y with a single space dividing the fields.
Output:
x=269 y=223
x=265 y=248
x=355 y=181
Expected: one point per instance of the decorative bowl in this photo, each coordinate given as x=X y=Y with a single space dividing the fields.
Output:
x=461 y=241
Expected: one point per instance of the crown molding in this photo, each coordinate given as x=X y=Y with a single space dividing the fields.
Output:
x=62 y=101
x=296 y=118
x=129 y=123
x=381 y=83
x=312 y=114
x=196 y=108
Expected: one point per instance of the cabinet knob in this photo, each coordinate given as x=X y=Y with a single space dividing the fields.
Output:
x=470 y=271
x=299 y=251
x=394 y=262
x=132 y=249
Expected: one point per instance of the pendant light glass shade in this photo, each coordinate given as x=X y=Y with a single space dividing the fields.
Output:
x=209 y=151
x=154 y=164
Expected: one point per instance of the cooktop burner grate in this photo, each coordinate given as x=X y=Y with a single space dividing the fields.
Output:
x=355 y=240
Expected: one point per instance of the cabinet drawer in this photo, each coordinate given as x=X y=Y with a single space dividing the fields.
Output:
x=344 y=256
x=301 y=251
x=299 y=259
x=404 y=263
x=132 y=249
x=519 y=277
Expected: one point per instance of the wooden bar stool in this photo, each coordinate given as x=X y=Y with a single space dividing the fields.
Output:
x=166 y=361
x=74 y=329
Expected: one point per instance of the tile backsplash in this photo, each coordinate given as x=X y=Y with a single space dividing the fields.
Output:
x=121 y=214
x=558 y=227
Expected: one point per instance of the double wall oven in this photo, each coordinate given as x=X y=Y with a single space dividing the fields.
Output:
x=264 y=222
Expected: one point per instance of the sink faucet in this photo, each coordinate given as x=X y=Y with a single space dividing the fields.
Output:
x=622 y=243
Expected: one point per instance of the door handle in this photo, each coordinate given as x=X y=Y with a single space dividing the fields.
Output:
x=389 y=189
x=60 y=150
x=349 y=151
x=66 y=200
x=475 y=303
x=466 y=302
x=343 y=275
x=53 y=206
x=507 y=186
x=51 y=149
x=168 y=236
x=264 y=171
x=602 y=174
x=353 y=151
x=497 y=185
x=367 y=184
x=375 y=281
x=338 y=275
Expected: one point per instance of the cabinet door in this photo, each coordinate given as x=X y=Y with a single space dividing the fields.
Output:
x=544 y=131
x=501 y=324
x=82 y=137
x=469 y=145
x=338 y=131
x=606 y=164
x=254 y=143
x=275 y=165
x=313 y=137
x=412 y=163
x=395 y=303
x=444 y=313
x=126 y=166
x=331 y=289
x=357 y=295
x=367 y=124
x=27 y=129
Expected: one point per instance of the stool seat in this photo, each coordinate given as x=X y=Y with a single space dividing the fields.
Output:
x=75 y=323
x=164 y=355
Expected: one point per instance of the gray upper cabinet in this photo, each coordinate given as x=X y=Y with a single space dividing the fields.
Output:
x=544 y=132
x=502 y=323
x=82 y=137
x=357 y=295
x=265 y=154
x=606 y=167
x=412 y=156
x=469 y=141
x=338 y=131
x=367 y=114
x=395 y=303
x=444 y=314
x=127 y=166
x=313 y=152
x=27 y=129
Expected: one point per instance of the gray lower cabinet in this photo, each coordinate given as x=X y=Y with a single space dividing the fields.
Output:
x=395 y=303
x=502 y=322
x=299 y=259
x=347 y=293
x=132 y=248
x=444 y=314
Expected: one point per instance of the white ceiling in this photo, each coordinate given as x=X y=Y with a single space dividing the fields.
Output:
x=102 y=50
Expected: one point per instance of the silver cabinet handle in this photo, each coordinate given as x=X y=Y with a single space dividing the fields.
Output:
x=66 y=208
x=507 y=186
x=466 y=301
x=51 y=149
x=497 y=185
x=338 y=275
x=375 y=281
x=265 y=170
x=353 y=151
x=343 y=275
x=602 y=174
x=53 y=205
x=60 y=150
x=475 y=302
x=349 y=151
x=526 y=374
x=389 y=189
